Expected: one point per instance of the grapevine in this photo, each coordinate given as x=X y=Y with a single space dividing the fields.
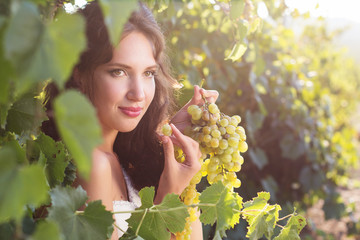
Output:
x=221 y=141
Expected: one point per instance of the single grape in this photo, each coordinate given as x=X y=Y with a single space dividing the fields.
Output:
x=233 y=142
x=243 y=147
x=213 y=108
x=224 y=122
x=222 y=130
x=166 y=130
x=192 y=108
x=215 y=133
x=230 y=129
x=206 y=138
x=206 y=130
x=226 y=158
x=223 y=144
x=214 y=142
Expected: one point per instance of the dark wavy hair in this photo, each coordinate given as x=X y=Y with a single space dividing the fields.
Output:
x=138 y=151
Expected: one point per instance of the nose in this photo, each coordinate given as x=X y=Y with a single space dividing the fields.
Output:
x=136 y=89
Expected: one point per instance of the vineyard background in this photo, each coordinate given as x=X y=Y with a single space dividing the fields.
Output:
x=296 y=91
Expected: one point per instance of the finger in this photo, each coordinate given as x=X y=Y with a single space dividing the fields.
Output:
x=189 y=146
x=168 y=149
x=197 y=94
x=175 y=141
x=197 y=98
x=210 y=95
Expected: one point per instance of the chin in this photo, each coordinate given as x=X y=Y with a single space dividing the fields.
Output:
x=129 y=128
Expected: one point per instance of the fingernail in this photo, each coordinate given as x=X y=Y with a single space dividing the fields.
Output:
x=165 y=139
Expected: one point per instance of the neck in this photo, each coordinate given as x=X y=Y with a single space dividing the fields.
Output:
x=109 y=136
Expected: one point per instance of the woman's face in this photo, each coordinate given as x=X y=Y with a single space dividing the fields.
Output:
x=125 y=86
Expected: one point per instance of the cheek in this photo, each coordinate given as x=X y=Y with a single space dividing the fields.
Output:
x=151 y=92
x=107 y=94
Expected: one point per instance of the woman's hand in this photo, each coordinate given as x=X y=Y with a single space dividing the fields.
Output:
x=176 y=176
x=182 y=119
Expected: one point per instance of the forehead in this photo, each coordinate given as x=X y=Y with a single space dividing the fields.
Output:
x=134 y=48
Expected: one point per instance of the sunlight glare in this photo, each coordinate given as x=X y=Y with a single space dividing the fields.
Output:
x=345 y=9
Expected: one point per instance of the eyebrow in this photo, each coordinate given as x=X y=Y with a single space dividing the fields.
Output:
x=129 y=67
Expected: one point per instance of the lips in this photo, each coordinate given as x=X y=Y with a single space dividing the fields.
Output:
x=131 y=111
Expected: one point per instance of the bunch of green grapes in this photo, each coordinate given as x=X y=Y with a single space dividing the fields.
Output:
x=221 y=141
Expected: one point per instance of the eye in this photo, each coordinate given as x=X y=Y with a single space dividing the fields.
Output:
x=149 y=74
x=118 y=72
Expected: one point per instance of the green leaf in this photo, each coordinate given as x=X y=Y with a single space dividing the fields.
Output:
x=256 y=203
x=56 y=160
x=6 y=88
x=78 y=127
x=70 y=174
x=7 y=231
x=311 y=179
x=242 y=29
x=237 y=52
x=261 y=216
x=19 y=186
x=254 y=121
x=224 y=202
x=46 y=230
x=130 y=235
x=291 y=148
x=258 y=157
x=23 y=32
x=52 y=55
x=237 y=8
x=21 y=39
x=66 y=53
x=292 y=229
x=25 y=115
x=156 y=221
x=269 y=184
x=94 y=223
x=116 y=14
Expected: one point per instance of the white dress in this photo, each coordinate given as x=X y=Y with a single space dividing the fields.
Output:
x=121 y=205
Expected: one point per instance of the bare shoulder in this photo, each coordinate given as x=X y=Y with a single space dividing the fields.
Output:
x=99 y=184
x=101 y=161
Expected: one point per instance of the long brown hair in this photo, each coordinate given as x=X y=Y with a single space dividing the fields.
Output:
x=138 y=151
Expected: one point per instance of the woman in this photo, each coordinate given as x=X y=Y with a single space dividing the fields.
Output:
x=132 y=91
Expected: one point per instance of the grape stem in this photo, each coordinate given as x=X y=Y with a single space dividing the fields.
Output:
x=154 y=209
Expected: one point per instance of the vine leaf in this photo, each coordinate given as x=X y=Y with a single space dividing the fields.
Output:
x=292 y=229
x=224 y=204
x=47 y=53
x=116 y=14
x=79 y=128
x=261 y=216
x=46 y=230
x=25 y=115
x=20 y=185
x=94 y=223
x=56 y=160
x=237 y=51
x=157 y=223
x=25 y=23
